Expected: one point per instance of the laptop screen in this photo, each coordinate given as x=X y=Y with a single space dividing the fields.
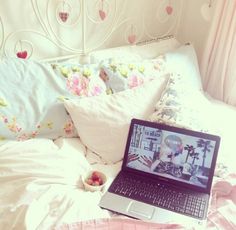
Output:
x=172 y=153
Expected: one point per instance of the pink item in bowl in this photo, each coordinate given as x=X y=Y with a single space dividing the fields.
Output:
x=94 y=181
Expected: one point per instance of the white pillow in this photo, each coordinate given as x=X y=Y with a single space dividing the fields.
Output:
x=120 y=75
x=135 y=52
x=31 y=95
x=183 y=106
x=125 y=75
x=154 y=49
x=183 y=61
x=102 y=123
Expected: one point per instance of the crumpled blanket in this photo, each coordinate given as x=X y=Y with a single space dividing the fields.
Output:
x=222 y=213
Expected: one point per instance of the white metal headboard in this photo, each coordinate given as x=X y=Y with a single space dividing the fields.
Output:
x=44 y=29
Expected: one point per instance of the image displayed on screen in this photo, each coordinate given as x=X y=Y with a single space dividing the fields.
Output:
x=171 y=155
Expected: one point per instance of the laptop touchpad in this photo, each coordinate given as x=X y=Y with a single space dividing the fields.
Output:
x=141 y=210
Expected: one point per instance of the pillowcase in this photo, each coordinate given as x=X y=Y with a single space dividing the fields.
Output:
x=81 y=80
x=183 y=61
x=183 y=106
x=31 y=99
x=151 y=50
x=122 y=75
x=102 y=122
x=132 y=53
x=119 y=76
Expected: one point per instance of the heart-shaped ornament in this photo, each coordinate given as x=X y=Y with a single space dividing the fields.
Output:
x=169 y=10
x=102 y=14
x=63 y=16
x=132 y=38
x=22 y=54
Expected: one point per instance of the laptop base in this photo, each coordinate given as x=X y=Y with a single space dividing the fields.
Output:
x=146 y=212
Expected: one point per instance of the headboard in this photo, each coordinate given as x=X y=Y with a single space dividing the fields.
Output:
x=49 y=29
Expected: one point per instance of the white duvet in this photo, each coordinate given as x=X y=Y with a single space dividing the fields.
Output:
x=41 y=187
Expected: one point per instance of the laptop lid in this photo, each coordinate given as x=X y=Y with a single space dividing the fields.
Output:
x=181 y=157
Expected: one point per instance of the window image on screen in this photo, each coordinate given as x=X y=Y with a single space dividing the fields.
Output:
x=171 y=155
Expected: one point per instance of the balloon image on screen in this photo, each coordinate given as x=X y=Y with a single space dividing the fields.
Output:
x=172 y=155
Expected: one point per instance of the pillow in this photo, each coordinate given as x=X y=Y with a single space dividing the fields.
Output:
x=81 y=80
x=119 y=76
x=31 y=99
x=135 y=52
x=102 y=122
x=153 y=49
x=122 y=75
x=183 y=61
x=123 y=53
x=183 y=106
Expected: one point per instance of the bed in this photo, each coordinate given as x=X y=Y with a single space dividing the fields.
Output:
x=62 y=117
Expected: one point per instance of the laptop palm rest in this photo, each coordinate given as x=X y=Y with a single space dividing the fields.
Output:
x=138 y=210
x=128 y=207
x=141 y=210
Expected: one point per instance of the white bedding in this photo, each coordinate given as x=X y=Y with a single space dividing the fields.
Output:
x=40 y=179
x=40 y=184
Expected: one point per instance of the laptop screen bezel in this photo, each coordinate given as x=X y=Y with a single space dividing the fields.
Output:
x=215 y=138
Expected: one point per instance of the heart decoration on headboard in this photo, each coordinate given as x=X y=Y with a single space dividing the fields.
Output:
x=63 y=11
x=132 y=38
x=63 y=16
x=102 y=14
x=132 y=31
x=169 y=10
x=22 y=54
x=23 y=49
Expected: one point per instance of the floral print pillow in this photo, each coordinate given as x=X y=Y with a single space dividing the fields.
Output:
x=119 y=76
x=32 y=96
x=182 y=105
x=81 y=80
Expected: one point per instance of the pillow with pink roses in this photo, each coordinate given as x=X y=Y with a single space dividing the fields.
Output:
x=119 y=76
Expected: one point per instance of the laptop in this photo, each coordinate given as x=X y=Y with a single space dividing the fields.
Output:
x=166 y=175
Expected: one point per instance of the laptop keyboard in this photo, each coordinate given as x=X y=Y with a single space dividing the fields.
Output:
x=160 y=195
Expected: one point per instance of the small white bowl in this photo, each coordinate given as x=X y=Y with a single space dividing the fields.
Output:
x=93 y=188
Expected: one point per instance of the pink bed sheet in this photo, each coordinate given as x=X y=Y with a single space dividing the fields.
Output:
x=222 y=213
x=117 y=224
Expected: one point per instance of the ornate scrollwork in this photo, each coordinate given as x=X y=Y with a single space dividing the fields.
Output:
x=75 y=27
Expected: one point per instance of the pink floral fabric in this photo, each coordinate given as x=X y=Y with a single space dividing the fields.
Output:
x=81 y=85
x=119 y=76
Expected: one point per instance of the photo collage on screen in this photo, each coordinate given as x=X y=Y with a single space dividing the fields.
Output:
x=171 y=155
